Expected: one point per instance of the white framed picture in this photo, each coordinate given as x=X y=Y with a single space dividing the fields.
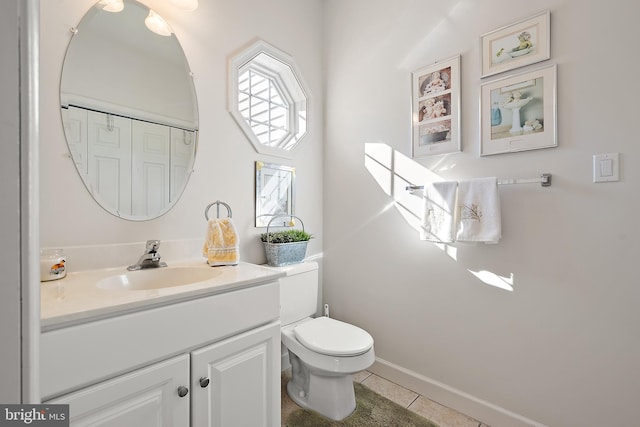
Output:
x=516 y=45
x=436 y=108
x=518 y=113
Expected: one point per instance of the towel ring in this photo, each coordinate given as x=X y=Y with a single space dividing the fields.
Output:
x=217 y=203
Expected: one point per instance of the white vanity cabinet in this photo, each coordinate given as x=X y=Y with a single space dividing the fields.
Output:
x=146 y=397
x=233 y=381
x=220 y=352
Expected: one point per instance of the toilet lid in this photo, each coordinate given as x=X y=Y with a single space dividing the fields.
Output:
x=333 y=337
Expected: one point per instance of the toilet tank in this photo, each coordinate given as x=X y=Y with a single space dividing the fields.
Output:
x=298 y=291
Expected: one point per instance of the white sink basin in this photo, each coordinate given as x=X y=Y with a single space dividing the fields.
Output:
x=157 y=278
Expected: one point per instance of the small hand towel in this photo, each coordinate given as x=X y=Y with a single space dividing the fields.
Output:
x=439 y=202
x=221 y=243
x=478 y=216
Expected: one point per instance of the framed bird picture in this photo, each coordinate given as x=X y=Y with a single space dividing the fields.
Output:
x=522 y=43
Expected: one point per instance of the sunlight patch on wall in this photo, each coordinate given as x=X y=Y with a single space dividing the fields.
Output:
x=493 y=279
x=378 y=160
x=450 y=28
x=393 y=172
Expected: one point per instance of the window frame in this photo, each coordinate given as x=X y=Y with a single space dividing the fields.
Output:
x=283 y=72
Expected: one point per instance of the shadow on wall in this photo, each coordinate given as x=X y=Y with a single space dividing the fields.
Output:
x=393 y=172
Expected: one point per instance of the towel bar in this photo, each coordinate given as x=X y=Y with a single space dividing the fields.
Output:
x=217 y=203
x=544 y=180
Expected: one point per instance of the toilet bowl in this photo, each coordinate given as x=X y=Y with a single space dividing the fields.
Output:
x=323 y=352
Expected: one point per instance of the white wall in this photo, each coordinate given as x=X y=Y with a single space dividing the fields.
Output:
x=562 y=348
x=10 y=353
x=224 y=167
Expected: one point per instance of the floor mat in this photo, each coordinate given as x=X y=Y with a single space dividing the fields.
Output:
x=372 y=410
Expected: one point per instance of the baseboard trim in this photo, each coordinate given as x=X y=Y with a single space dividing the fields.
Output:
x=479 y=409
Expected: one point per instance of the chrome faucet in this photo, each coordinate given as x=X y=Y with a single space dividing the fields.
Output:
x=150 y=258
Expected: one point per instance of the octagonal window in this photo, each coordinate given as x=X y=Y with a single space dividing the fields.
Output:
x=267 y=99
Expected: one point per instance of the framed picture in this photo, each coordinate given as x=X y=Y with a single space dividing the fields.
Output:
x=436 y=108
x=518 y=113
x=516 y=45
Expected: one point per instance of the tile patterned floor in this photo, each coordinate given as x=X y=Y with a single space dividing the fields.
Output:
x=441 y=415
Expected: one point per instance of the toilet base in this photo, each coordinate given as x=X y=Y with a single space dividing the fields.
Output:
x=331 y=396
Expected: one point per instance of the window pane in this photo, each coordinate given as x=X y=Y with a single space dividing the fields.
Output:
x=263 y=106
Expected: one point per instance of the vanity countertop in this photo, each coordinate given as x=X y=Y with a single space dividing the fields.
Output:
x=77 y=299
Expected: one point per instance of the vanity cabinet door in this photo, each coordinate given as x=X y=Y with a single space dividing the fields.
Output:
x=236 y=382
x=147 y=397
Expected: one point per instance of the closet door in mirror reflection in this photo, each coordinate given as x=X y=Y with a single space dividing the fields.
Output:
x=183 y=151
x=136 y=168
x=109 y=160
x=150 y=168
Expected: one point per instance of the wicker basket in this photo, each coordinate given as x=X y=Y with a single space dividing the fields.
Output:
x=280 y=254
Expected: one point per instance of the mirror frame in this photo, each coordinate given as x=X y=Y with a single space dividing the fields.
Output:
x=265 y=173
x=177 y=129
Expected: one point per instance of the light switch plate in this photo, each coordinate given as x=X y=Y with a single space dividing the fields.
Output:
x=606 y=167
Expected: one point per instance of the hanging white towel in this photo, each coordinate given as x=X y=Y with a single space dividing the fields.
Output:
x=439 y=202
x=478 y=216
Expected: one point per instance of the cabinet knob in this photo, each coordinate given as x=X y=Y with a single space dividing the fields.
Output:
x=183 y=391
x=204 y=382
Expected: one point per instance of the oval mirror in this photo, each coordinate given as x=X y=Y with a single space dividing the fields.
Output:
x=129 y=109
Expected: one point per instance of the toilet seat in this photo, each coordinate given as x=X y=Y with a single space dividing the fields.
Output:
x=333 y=337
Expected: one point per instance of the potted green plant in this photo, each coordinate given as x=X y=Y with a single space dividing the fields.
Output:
x=285 y=247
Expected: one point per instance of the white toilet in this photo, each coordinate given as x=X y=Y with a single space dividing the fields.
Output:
x=323 y=352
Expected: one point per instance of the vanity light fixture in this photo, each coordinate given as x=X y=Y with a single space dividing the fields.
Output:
x=157 y=24
x=111 y=5
x=188 y=5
